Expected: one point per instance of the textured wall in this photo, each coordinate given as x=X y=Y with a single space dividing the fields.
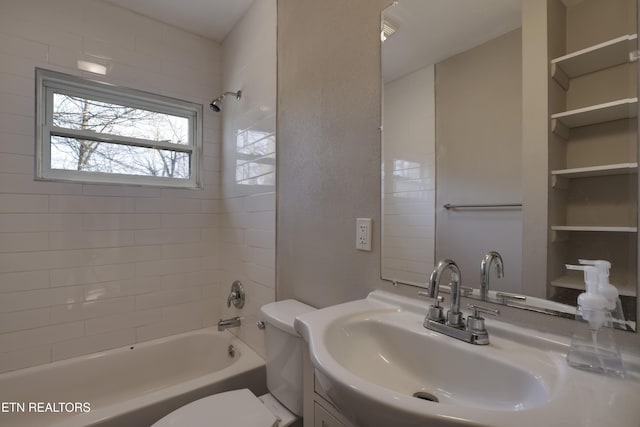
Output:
x=85 y=268
x=328 y=148
x=329 y=153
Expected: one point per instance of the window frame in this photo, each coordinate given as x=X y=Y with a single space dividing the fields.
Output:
x=48 y=82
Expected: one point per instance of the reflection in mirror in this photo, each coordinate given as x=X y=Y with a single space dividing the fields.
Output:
x=453 y=144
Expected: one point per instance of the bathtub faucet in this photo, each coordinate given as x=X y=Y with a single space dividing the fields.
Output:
x=228 y=323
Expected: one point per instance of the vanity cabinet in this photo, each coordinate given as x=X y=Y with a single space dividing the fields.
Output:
x=318 y=410
x=593 y=139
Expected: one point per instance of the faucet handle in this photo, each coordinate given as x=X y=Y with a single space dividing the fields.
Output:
x=478 y=309
x=435 y=311
x=475 y=322
x=426 y=295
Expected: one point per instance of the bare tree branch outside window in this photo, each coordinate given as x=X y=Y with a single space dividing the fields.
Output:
x=73 y=153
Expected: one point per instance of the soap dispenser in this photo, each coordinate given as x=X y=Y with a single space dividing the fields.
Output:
x=593 y=347
x=607 y=290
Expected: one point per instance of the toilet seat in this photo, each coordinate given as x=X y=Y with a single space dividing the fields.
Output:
x=238 y=408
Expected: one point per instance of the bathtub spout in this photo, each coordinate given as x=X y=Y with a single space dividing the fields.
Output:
x=228 y=323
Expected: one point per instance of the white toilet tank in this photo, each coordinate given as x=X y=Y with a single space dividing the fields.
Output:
x=284 y=352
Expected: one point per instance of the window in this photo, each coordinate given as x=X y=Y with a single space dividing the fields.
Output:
x=94 y=132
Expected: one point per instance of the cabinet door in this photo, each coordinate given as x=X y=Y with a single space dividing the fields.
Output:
x=322 y=418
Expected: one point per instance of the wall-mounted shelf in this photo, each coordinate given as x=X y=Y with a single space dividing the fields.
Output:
x=594 y=228
x=604 y=170
x=615 y=110
x=576 y=281
x=593 y=58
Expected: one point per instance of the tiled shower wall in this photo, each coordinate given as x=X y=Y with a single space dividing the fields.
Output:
x=85 y=268
x=247 y=245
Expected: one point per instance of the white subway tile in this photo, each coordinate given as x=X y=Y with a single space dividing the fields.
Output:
x=36 y=337
x=68 y=59
x=261 y=202
x=109 y=23
x=192 y=310
x=155 y=205
x=188 y=220
x=162 y=267
x=98 y=277
x=18 y=105
x=226 y=235
x=21 y=47
x=163 y=329
x=261 y=239
x=263 y=275
x=23 y=223
x=14 y=262
x=91 y=309
x=260 y=256
x=122 y=321
x=262 y=220
x=95 y=274
x=23 y=242
x=186 y=250
x=30 y=29
x=167 y=236
x=90 y=239
x=63 y=14
x=11 y=142
x=25 y=184
x=167 y=298
x=62 y=222
x=26 y=319
x=184 y=280
x=251 y=335
x=92 y=344
x=103 y=49
x=120 y=190
x=90 y=204
x=25 y=300
x=148 y=37
x=17 y=85
x=24 y=358
x=24 y=281
x=121 y=288
x=121 y=222
x=20 y=203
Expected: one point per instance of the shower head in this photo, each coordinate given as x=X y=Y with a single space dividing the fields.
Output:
x=216 y=104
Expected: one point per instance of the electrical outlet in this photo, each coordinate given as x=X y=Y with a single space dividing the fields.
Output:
x=363 y=234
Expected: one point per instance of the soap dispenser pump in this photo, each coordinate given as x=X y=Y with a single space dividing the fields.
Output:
x=593 y=347
x=607 y=290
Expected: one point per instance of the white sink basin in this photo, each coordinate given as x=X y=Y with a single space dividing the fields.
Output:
x=371 y=356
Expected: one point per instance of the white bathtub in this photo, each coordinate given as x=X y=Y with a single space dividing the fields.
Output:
x=131 y=386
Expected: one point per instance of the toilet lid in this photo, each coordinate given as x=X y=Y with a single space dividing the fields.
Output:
x=238 y=408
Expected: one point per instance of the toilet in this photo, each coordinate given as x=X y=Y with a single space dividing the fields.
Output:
x=282 y=406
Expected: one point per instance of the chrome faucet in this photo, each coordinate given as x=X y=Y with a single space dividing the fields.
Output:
x=454 y=325
x=454 y=317
x=228 y=323
x=485 y=271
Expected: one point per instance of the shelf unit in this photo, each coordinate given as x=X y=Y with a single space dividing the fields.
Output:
x=598 y=57
x=602 y=170
x=615 y=110
x=613 y=229
x=592 y=78
x=576 y=281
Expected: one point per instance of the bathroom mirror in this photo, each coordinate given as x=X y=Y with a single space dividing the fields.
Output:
x=452 y=144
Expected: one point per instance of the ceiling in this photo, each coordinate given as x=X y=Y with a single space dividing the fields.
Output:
x=212 y=19
x=431 y=31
